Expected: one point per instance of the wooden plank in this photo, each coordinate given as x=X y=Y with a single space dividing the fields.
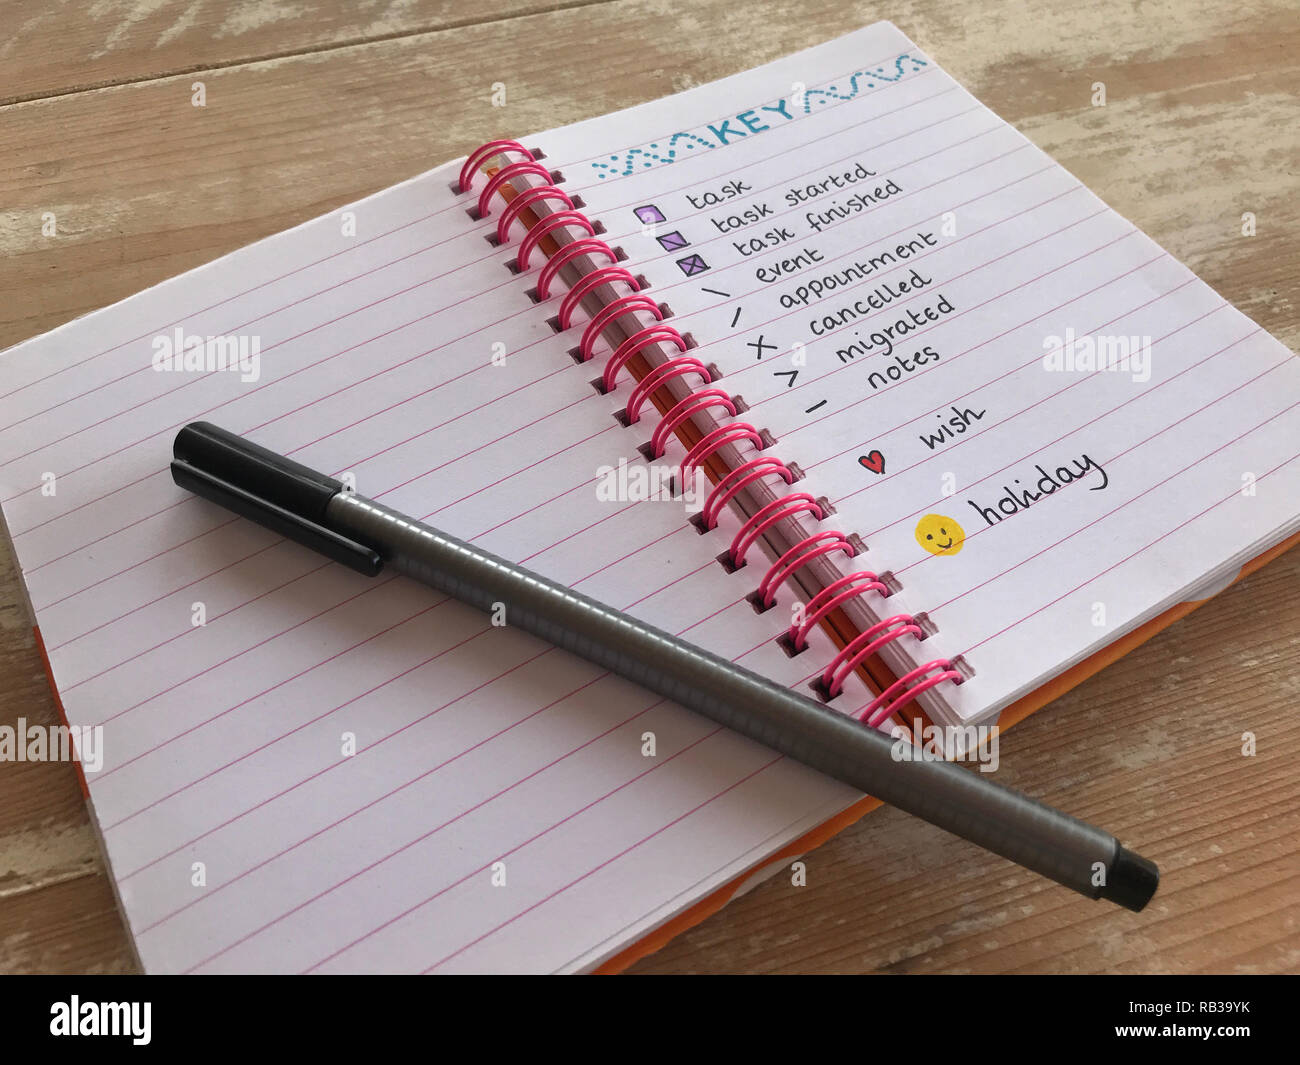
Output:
x=52 y=49
x=1197 y=130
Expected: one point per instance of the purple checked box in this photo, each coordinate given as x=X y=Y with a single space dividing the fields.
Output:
x=649 y=215
x=672 y=241
x=693 y=264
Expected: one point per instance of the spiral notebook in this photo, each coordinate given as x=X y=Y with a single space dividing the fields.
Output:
x=823 y=366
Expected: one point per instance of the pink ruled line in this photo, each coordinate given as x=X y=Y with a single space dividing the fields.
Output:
x=397 y=789
x=375 y=802
x=166 y=594
x=337 y=764
x=195 y=628
x=388 y=578
x=576 y=813
x=147 y=367
x=196 y=379
x=265 y=691
x=591 y=872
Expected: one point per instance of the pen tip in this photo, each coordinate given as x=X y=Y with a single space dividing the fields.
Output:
x=1131 y=880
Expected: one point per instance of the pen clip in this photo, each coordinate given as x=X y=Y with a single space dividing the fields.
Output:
x=278 y=519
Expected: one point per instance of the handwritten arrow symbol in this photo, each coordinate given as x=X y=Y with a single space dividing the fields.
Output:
x=792 y=374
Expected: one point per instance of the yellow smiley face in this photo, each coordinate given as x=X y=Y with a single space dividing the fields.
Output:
x=940 y=535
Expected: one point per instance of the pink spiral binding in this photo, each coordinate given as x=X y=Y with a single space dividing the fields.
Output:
x=522 y=200
x=725 y=434
x=752 y=529
x=613 y=309
x=655 y=334
x=683 y=409
x=505 y=174
x=810 y=547
x=600 y=276
x=866 y=643
x=660 y=375
x=552 y=221
x=482 y=154
x=557 y=262
x=745 y=473
x=834 y=594
x=886 y=704
x=862 y=647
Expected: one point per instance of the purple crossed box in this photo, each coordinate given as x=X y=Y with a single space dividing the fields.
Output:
x=693 y=264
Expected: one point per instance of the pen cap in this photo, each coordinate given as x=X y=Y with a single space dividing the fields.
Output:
x=276 y=492
x=263 y=473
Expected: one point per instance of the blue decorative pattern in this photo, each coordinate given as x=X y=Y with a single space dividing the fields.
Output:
x=668 y=150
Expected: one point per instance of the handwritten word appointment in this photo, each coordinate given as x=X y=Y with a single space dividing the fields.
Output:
x=754 y=120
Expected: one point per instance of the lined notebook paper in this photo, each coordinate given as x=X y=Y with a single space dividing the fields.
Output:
x=308 y=771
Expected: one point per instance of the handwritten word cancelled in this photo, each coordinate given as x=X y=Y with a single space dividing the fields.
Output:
x=1020 y=497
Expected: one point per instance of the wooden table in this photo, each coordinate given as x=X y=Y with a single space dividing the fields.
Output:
x=313 y=104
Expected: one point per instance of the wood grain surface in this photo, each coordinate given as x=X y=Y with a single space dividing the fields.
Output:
x=313 y=104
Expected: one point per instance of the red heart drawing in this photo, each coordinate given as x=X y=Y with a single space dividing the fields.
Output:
x=874 y=461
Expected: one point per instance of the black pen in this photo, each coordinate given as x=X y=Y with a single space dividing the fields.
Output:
x=316 y=511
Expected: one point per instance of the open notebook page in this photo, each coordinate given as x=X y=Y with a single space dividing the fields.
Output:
x=330 y=773
x=914 y=299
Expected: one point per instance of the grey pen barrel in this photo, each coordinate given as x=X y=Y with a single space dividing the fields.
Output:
x=1034 y=835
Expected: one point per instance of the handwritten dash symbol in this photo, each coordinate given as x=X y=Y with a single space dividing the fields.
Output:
x=715 y=292
x=815 y=406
